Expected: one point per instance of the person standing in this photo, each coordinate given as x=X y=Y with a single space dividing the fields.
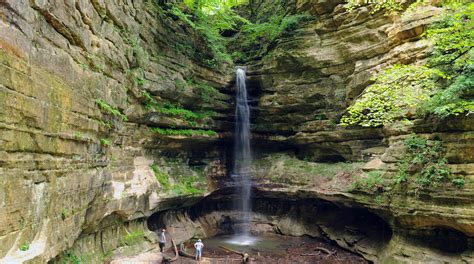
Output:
x=162 y=239
x=198 y=246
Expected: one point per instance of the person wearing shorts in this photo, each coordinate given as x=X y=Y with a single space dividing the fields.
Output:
x=198 y=246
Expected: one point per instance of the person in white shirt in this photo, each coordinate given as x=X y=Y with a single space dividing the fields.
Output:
x=162 y=239
x=198 y=246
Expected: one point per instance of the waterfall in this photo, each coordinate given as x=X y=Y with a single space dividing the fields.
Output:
x=242 y=160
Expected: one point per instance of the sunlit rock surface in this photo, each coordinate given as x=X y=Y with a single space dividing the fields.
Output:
x=74 y=177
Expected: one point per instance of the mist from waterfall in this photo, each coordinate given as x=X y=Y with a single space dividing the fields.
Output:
x=242 y=161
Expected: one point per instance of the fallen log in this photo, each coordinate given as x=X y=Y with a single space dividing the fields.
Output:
x=245 y=256
x=325 y=250
x=309 y=254
x=231 y=250
x=176 y=253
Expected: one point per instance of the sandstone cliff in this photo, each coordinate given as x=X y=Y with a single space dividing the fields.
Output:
x=75 y=173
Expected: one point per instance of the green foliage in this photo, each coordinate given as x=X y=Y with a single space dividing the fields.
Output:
x=104 y=106
x=450 y=101
x=105 y=142
x=206 y=92
x=379 y=199
x=210 y=18
x=287 y=169
x=64 y=213
x=458 y=182
x=395 y=91
x=182 y=16
x=453 y=53
x=25 y=246
x=189 y=184
x=372 y=181
x=71 y=258
x=79 y=135
x=179 y=178
x=172 y=110
x=184 y=132
x=423 y=163
x=180 y=84
x=162 y=177
x=320 y=117
x=210 y=6
x=132 y=238
x=453 y=37
x=442 y=87
x=257 y=39
x=389 y=6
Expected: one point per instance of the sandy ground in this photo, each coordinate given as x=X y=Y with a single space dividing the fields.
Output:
x=144 y=258
x=298 y=251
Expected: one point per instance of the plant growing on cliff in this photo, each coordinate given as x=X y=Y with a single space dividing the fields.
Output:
x=189 y=184
x=170 y=109
x=210 y=18
x=105 y=142
x=184 y=132
x=423 y=164
x=108 y=109
x=256 y=39
x=25 y=246
x=396 y=93
x=132 y=238
x=372 y=181
x=389 y=6
x=205 y=91
x=392 y=7
x=71 y=258
x=161 y=177
x=442 y=87
x=453 y=53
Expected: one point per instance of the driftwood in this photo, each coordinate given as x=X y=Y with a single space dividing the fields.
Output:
x=325 y=250
x=245 y=256
x=183 y=253
x=176 y=253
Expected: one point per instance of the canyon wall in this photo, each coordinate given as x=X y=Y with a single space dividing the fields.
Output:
x=77 y=149
x=72 y=172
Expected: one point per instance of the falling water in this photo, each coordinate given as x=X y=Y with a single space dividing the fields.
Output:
x=242 y=160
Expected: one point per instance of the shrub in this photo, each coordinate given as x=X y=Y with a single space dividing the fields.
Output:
x=458 y=182
x=25 y=246
x=423 y=163
x=256 y=39
x=396 y=90
x=442 y=87
x=71 y=258
x=105 y=142
x=372 y=182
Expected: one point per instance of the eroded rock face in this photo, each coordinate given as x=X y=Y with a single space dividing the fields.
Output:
x=310 y=78
x=342 y=220
x=67 y=167
x=75 y=176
